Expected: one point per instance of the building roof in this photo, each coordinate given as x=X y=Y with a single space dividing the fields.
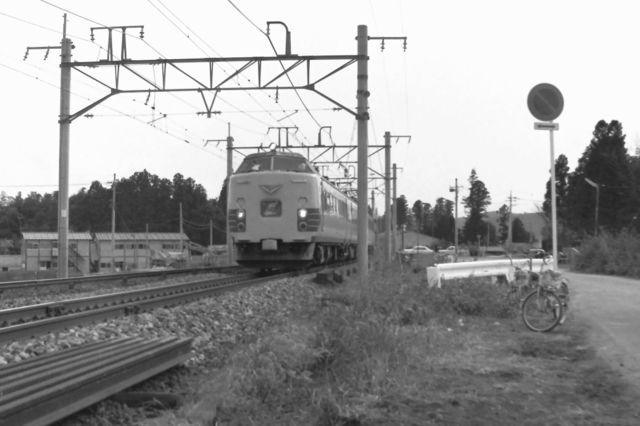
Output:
x=106 y=236
x=53 y=236
x=141 y=236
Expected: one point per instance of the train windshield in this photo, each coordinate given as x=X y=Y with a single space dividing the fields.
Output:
x=291 y=164
x=285 y=164
x=258 y=164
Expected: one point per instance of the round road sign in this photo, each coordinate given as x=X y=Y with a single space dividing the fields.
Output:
x=545 y=102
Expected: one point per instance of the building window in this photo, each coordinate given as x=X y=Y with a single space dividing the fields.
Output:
x=104 y=265
x=32 y=245
x=119 y=246
x=142 y=246
x=131 y=246
x=74 y=246
x=170 y=246
x=45 y=265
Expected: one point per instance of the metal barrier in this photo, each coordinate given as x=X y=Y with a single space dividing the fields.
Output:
x=488 y=268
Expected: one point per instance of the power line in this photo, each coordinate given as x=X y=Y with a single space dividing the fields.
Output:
x=155 y=50
x=281 y=65
x=44 y=28
x=222 y=68
x=119 y=112
x=247 y=18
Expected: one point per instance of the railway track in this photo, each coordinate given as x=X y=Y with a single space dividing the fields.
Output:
x=30 y=321
x=13 y=285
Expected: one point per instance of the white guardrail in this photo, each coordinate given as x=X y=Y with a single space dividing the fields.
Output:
x=487 y=268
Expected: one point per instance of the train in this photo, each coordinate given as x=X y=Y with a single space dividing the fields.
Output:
x=284 y=215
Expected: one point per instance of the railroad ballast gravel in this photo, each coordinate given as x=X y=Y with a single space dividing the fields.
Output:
x=214 y=323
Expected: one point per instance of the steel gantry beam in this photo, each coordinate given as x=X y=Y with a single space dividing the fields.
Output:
x=211 y=84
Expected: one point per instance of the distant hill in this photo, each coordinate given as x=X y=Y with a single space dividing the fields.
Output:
x=533 y=222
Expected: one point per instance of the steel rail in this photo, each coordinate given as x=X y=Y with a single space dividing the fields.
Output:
x=53 y=309
x=11 y=285
x=42 y=390
x=36 y=328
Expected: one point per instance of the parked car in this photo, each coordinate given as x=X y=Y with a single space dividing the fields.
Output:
x=448 y=250
x=417 y=250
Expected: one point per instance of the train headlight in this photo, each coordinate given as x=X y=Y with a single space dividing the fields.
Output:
x=241 y=214
x=302 y=213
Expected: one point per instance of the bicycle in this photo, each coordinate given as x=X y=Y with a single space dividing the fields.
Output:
x=546 y=306
x=518 y=289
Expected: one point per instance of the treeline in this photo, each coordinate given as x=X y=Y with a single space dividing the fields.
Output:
x=143 y=201
x=605 y=183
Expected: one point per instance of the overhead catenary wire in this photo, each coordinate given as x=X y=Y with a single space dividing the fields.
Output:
x=281 y=64
x=206 y=44
x=156 y=51
x=119 y=112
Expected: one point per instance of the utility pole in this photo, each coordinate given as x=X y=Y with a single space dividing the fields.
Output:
x=394 y=225
x=181 y=240
x=113 y=226
x=229 y=141
x=387 y=195
x=146 y=230
x=63 y=172
x=210 y=232
x=597 y=187
x=362 y=95
x=510 y=229
x=373 y=204
x=455 y=224
x=488 y=229
x=229 y=173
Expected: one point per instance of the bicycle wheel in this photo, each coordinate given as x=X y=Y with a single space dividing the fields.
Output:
x=542 y=311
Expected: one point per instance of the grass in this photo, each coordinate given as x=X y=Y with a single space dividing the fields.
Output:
x=391 y=351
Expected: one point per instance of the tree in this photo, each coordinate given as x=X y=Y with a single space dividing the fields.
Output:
x=403 y=212
x=503 y=223
x=606 y=162
x=476 y=206
x=444 y=220
x=519 y=233
x=562 y=188
x=420 y=212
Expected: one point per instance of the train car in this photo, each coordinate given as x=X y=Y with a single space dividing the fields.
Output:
x=284 y=214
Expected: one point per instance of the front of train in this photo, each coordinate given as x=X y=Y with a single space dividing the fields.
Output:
x=274 y=210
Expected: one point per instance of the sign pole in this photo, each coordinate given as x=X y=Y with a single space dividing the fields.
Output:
x=545 y=102
x=554 y=229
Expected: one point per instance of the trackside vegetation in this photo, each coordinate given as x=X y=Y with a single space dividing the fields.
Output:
x=391 y=351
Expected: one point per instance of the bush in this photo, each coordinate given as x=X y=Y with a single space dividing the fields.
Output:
x=610 y=254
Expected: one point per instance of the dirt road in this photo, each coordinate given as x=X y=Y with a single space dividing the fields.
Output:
x=612 y=306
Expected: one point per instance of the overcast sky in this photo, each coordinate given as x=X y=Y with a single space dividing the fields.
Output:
x=459 y=90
